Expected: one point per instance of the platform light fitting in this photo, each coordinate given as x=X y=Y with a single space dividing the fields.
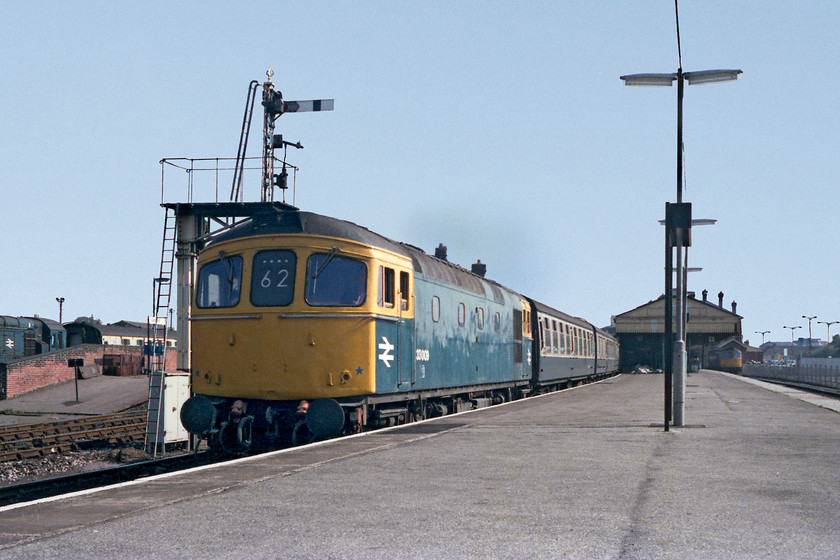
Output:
x=711 y=76
x=693 y=78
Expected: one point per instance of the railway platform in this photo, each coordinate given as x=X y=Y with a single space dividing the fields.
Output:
x=103 y=394
x=584 y=473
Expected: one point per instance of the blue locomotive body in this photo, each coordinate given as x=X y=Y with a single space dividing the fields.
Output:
x=21 y=337
x=462 y=334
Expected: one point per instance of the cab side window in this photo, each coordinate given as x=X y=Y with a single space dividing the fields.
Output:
x=405 y=290
x=387 y=287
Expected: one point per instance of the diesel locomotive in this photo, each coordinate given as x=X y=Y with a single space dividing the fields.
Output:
x=21 y=337
x=306 y=327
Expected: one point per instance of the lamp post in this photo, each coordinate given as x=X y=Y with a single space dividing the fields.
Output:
x=677 y=234
x=60 y=301
x=828 y=329
x=791 y=331
x=762 y=333
x=809 y=329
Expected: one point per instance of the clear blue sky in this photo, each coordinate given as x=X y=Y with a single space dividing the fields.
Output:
x=500 y=129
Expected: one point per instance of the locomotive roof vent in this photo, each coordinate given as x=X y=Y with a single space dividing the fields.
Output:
x=440 y=252
x=479 y=268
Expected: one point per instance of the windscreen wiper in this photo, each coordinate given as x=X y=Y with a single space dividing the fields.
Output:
x=326 y=262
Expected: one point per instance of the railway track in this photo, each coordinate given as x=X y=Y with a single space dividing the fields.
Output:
x=38 y=440
x=55 y=486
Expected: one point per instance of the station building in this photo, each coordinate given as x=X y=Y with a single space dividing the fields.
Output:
x=87 y=330
x=640 y=331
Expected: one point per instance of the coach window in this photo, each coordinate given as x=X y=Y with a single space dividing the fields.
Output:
x=573 y=341
x=554 y=345
x=386 y=287
x=568 y=340
x=479 y=317
x=273 y=278
x=497 y=321
x=335 y=281
x=462 y=314
x=219 y=283
x=562 y=340
x=542 y=336
x=547 y=340
x=435 y=309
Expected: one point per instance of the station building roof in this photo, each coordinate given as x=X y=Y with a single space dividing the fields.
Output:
x=703 y=317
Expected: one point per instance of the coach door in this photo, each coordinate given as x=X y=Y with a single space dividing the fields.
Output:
x=522 y=338
x=517 y=336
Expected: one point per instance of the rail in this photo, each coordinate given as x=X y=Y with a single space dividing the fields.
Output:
x=55 y=486
x=818 y=377
x=37 y=440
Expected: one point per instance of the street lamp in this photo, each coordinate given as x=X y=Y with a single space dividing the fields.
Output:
x=677 y=234
x=809 y=330
x=762 y=333
x=828 y=329
x=60 y=301
x=791 y=331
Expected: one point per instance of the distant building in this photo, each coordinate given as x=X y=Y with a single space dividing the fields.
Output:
x=640 y=331
x=788 y=351
x=87 y=330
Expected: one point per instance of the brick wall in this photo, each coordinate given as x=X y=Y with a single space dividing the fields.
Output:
x=35 y=372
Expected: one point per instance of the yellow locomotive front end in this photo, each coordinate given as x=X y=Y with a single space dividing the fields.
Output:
x=258 y=333
x=283 y=335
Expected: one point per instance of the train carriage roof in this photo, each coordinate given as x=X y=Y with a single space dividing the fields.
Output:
x=550 y=311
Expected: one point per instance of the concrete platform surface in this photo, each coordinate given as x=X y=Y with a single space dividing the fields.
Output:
x=104 y=394
x=585 y=473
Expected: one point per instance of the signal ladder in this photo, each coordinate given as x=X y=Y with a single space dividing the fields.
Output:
x=162 y=291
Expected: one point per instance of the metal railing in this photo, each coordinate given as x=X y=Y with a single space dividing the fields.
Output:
x=819 y=377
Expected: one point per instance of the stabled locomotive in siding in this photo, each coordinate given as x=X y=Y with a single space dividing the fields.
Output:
x=306 y=326
x=28 y=336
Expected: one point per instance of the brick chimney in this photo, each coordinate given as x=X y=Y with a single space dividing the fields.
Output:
x=720 y=299
x=705 y=295
x=479 y=268
x=734 y=305
x=440 y=252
